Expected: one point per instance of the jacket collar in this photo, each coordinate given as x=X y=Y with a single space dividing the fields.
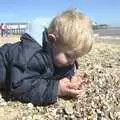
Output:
x=31 y=46
x=27 y=40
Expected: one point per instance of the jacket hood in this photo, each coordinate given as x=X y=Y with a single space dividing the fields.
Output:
x=36 y=28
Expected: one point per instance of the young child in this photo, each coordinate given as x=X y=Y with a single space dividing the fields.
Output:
x=38 y=74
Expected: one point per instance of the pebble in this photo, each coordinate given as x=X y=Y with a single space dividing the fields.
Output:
x=30 y=105
x=3 y=104
x=68 y=108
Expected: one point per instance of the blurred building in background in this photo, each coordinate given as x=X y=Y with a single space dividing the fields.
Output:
x=97 y=26
x=16 y=28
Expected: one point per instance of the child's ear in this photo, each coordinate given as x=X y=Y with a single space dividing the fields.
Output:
x=52 y=37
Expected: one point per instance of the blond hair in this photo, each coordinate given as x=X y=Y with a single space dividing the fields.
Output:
x=73 y=30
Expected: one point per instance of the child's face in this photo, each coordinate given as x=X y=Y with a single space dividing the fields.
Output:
x=62 y=59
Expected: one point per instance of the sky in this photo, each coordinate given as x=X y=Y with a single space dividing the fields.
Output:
x=100 y=11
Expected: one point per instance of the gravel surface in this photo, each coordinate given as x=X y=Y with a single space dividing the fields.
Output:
x=100 y=102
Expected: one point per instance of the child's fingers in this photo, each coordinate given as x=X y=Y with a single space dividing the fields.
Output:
x=82 y=93
x=73 y=92
x=76 y=79
x=84 y=84
x=73 y=86
x=78 y=82
x=75 y=82
x=77 y=93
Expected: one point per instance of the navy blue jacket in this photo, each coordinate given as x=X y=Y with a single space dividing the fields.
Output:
x=28 y=73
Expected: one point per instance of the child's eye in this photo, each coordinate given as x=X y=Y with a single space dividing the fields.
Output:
x=68 y=55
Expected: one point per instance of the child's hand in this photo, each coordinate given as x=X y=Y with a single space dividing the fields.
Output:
x=74 y=87
x=82 y=79
x=66 y=88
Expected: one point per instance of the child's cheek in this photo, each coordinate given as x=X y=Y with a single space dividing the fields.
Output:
x=61 y=60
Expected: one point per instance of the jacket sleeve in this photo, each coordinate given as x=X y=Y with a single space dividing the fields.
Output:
x=3 y=64
x=34 y=84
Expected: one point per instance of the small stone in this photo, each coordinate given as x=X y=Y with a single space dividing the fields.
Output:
x=1 y=100
x=3 y=104
x=68 y=108
x=30 y=105
x=59 y=111
x=36 y=117
x=29 y=118
x=111 y=116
